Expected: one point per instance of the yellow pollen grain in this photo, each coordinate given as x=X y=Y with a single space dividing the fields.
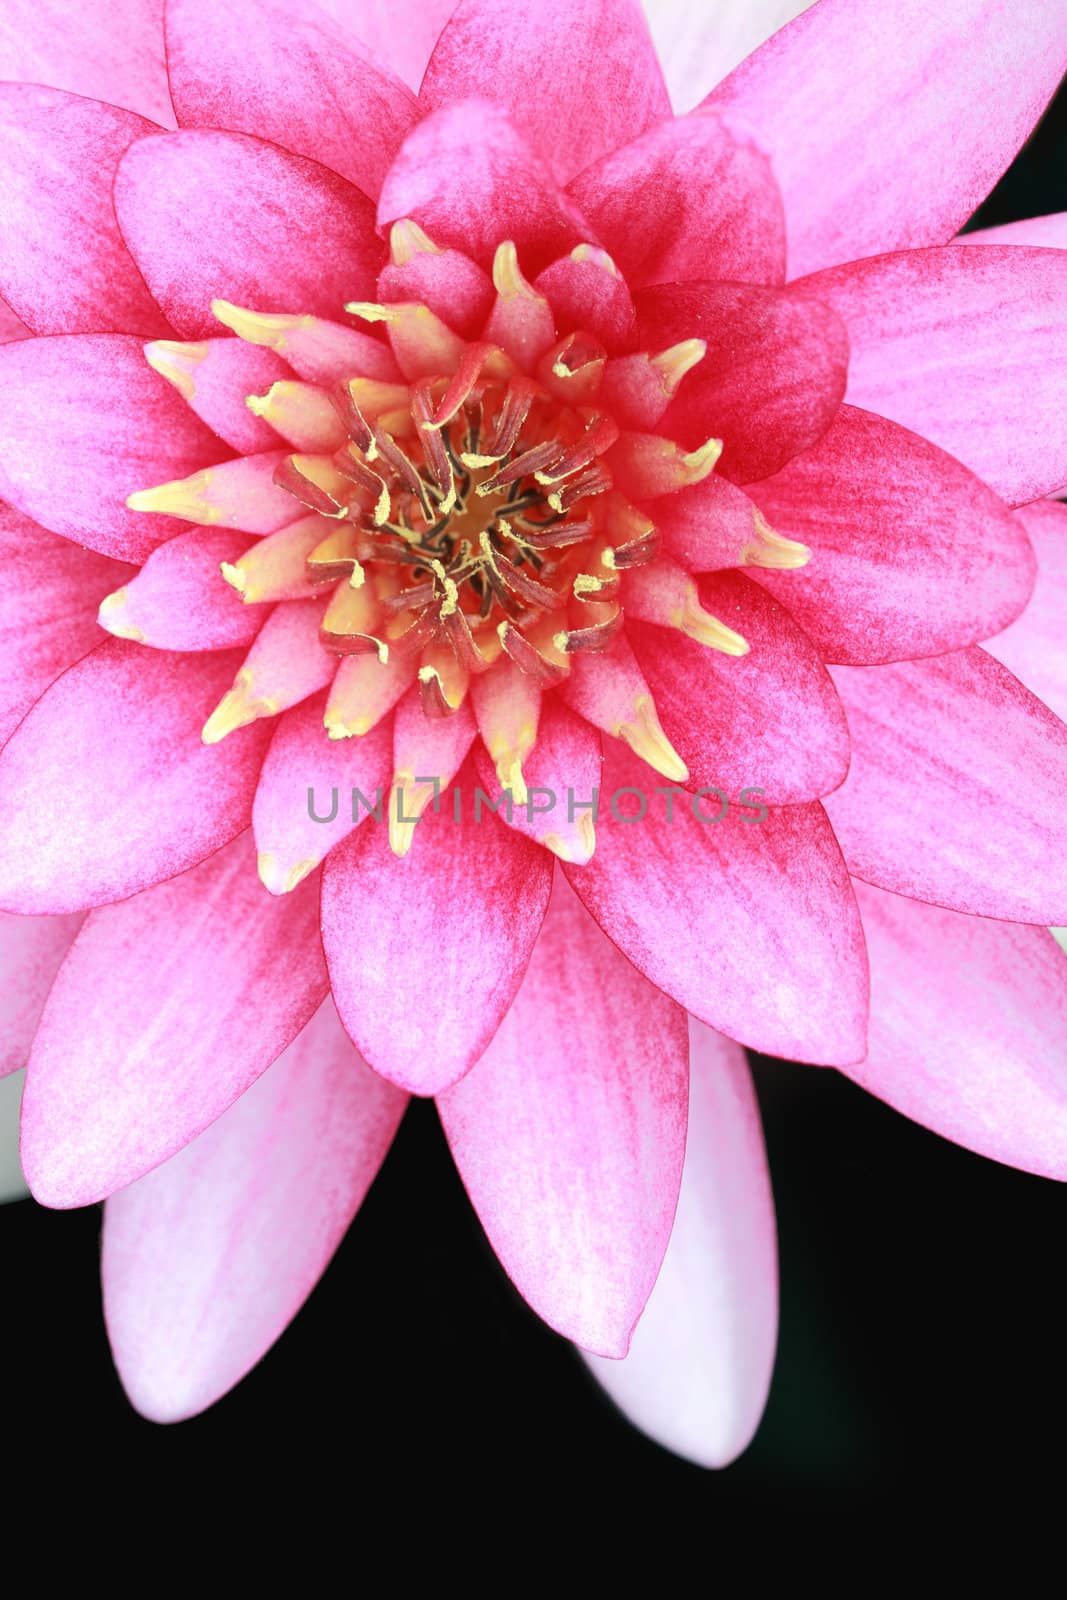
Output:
x=407 y=239
x=646 y=738
x=111 y=616
x=166 y=356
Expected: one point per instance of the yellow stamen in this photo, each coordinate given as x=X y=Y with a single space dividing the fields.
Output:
x=112 y=616
x=258 y=327
x=173 y=360
x=237 y=708
x=647 y=739
x=407 y=239
x=674 y=363
x=280 y=879
x=183 y=497
x=508 y=279
x=692 y=619
x=576 y=852
x=770 y=549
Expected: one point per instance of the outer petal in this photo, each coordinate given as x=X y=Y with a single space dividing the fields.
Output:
x=65 y=266
x=955 y=792
x=771 y=379
x=121 y=429
x=313 y=791
x=109 y=49
x=106 y=786
x=687 y=200
x=221 y=215
x=179 y=599
x=968 y=1029
x=912 y=554
x=406 y=49
x=900 y=156
x=752 y=926
x=968 y=348
x=469 y=899
x=1033 y=647
x=698 y=45
x=699 y=1368
x=31 y=950
x=290 y=73
x=1050 y=231
x=505 y=192
x=208 y=1258
x=769 y=721
x=582 y=75
x=166 y=1009
x=48 y=602
x=570 y=1132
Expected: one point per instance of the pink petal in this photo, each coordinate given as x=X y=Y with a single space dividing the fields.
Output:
x=687 y=200
x=10 y=326
x=708 y=526
x=569 y=1134
x=587 y=295
x=699 y=1368
x=48 y=603
x=304 y=774
x=108 y=49
x=215 y=377
x=872 y=159
x=751 y=925
x=911 y=554
x=1032 y=648
x=968 y=1029
x=66 y=268
x=450 y=283
x=698 y=45
x=289 y=74
x=506 y=191
x=12 y=1182
x=180 y=601
x=1050 y=231
x=769 y=721
x=466 y=904
x=106 y=785
x=221 y=215
x=772 y=377
x=166 y=1009
x=209 y=1257
x=31 y=952
x=968 y=348
x=122 y=428
x=581 y=75
x=955 y=792
x=405 y=49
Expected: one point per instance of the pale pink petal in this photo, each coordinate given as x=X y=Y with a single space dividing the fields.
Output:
x=698 y=45
x=180 y=601
x=887 y=125
x=699 y=1366
x=772 y=377
x=1033 y=648
x=968 y=1029
x=108 y=49
x=209 y=1257
x=105 y=785
x=406 y=48
x=955 y=792
x=65 y=266
x=222 y=215
x=769 y=721
x=911 y=553
x=967 y=348
x=688 y=200
x=464 y=903
x=11 y=328
x=313 y=791
x=48 y=603
x=289 y=73
x=1050 y=231
x=167 y=1008
x=588 y=295
x=506 y=191
x=750 y=924
x=122 y=429
x=31 y=950
x=569 y=1134
x=581 y=76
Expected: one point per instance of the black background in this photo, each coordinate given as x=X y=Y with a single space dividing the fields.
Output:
x=921 y=1358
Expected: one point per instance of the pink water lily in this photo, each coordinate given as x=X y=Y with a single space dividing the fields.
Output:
x=437 y=425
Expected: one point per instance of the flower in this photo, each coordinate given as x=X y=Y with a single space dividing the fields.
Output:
x=653 y=448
